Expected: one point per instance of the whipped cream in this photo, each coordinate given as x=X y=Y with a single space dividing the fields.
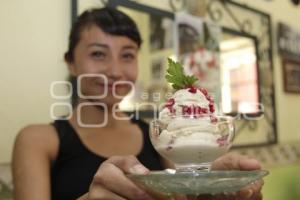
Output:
x=189 y=101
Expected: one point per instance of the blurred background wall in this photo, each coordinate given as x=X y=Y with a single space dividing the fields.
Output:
x=33 y=38
x=284 y=179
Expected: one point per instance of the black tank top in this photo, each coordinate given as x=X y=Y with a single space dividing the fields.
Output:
x=75 y=166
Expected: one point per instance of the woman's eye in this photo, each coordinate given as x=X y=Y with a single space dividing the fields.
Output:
x=128 y=56
x=98 y=54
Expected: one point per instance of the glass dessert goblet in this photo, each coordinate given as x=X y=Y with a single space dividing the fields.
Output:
x=192 y=142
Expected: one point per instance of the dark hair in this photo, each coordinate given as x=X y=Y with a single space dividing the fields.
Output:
x=110 y=20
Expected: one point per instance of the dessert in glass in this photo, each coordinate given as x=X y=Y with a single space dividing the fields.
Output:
x=190 y=134
x=187 y=131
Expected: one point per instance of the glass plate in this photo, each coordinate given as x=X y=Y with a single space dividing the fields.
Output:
x=201 y=182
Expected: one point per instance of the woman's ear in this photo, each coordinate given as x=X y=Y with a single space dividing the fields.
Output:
x=72 y=68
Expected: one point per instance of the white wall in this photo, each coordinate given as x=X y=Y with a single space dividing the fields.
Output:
x=33 y=38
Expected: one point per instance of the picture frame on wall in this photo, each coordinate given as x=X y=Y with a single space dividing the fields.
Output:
x=197 y=48
x=291 y=75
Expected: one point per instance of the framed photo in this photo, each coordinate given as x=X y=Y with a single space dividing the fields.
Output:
x=157 y=69
x=291 y=73
x=197 y=48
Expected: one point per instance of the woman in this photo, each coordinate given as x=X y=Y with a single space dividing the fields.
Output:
x=67 y=159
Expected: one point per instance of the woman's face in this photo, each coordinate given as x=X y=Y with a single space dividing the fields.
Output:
x=98 y=53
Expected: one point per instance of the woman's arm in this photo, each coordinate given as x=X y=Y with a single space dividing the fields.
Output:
x=35 y=147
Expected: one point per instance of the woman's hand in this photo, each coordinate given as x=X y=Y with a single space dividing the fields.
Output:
x=111 y=182
x=237 y=162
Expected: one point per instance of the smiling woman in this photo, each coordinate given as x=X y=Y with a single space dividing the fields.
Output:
x=69 y=159
x=103 y=48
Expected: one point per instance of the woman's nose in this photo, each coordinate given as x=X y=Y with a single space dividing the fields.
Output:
x=114 y=70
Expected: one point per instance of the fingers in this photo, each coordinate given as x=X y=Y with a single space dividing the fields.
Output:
x=235 y=162
x=128 y=164
x=248 y=163
x=258 y=196
x=152 y=193
x=161 y=196
x=110 y=177
x=180 y=197
x=97 y=192
x=253 y=191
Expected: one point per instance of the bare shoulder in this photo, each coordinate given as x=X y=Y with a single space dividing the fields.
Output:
x=38 y=137
x=36 y=146
x=37 y=133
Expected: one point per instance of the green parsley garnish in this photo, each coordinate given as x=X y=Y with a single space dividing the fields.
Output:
x=176 y=76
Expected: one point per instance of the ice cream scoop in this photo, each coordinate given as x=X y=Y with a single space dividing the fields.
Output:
x=190 y=101
x=187 y=131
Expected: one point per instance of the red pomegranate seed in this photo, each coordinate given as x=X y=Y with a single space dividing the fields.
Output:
x=204 y=110
x=189 y=110
x=186 y=110
x=194 y=109
x=172 y=110
x=198 y=110
x=192 y=89
x=213 y=119
x=210 y=99
x=170 y=102
x=169 y=148
x=204 y=91
x=222 y=141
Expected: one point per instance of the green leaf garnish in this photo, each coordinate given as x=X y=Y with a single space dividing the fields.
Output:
x=176 y=76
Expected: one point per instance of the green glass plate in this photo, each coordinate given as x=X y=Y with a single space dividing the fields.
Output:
x=199 y=182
